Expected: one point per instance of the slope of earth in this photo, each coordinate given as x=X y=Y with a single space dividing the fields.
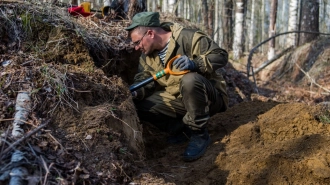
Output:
x=79 y=124
x=301 y=75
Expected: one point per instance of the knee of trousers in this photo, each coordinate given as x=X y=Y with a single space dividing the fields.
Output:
x=190 y=82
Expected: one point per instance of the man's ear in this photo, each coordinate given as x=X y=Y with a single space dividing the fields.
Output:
x=151 y=33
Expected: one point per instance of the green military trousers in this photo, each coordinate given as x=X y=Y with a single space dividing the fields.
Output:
x=197 y=102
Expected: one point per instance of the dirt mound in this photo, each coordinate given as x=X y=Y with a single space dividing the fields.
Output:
x=282 y=146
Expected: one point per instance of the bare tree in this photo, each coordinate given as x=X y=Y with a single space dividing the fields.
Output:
x=293 y=14
x=227 y=24
x=172 y=6
x=210 y=17
x=238 y=33
x=252 y=26
x=164 y=5
x=273 y=12
x=282 y=19
x=205 y=10
x=309 y=20
x=217 y=23
x=187 y=12
x=153 y=6
x=181 y=9
x=265 y=22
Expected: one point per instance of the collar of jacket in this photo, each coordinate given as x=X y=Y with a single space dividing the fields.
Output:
x=176 y=30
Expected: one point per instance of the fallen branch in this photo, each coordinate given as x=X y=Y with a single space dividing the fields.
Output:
x=249 y=63
x=19 y=173
x=312 y=80
x=266 y=63
x=57 y=142
x=79 y=91
x=13 y=1
x=46 y=168
x=23 y=107
x=10 y=119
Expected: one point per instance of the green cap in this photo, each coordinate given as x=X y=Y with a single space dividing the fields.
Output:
x=148 y=19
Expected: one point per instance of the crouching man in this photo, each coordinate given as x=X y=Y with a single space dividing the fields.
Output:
x=181 y=105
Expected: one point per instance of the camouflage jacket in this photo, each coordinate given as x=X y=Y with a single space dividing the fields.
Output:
x=202 y=50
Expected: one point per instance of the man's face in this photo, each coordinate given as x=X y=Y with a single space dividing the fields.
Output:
x=142 y=41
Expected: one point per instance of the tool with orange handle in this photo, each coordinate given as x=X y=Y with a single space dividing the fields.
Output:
x=159 y=74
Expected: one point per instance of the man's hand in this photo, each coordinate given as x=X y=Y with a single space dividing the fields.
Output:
x=184 y=63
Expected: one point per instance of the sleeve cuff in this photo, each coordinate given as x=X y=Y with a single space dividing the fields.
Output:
x=199 y=62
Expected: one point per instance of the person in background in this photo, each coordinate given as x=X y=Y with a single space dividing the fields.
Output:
x=181 y=105
x=119 y=8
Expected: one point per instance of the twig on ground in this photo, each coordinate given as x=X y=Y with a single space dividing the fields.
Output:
x=79 y=90
x=4 y=140
x=134 y=131
x=25 y=137
x=87 y=148
x=46 y=168
x=62 y=147
x=167 y=174
x=122 y=171
x=9 y=119
x=312 y=80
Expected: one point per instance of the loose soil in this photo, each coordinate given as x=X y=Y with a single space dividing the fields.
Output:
x=276 y=130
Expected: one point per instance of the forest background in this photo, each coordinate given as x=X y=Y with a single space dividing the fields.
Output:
x=239 y=25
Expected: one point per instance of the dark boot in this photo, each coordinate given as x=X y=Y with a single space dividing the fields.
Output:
x=198 y=143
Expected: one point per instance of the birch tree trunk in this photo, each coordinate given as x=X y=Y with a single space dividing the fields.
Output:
x=152 y=6
x=186 y=9
x=23 y=108
x=227 y=24
x=324 y=17
x=252 y=26
x=309 y=20
x=271 y=49
x=292 y=26
x=283 y=20
x=198 y=12
x=171 y=6
x=205 y=11
x=164 y=6
x=158 y=5
x=258 y=21
x=181 y=9
x=210 y=17
x=265 y=22
x=217 y=14
x=238 y=33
